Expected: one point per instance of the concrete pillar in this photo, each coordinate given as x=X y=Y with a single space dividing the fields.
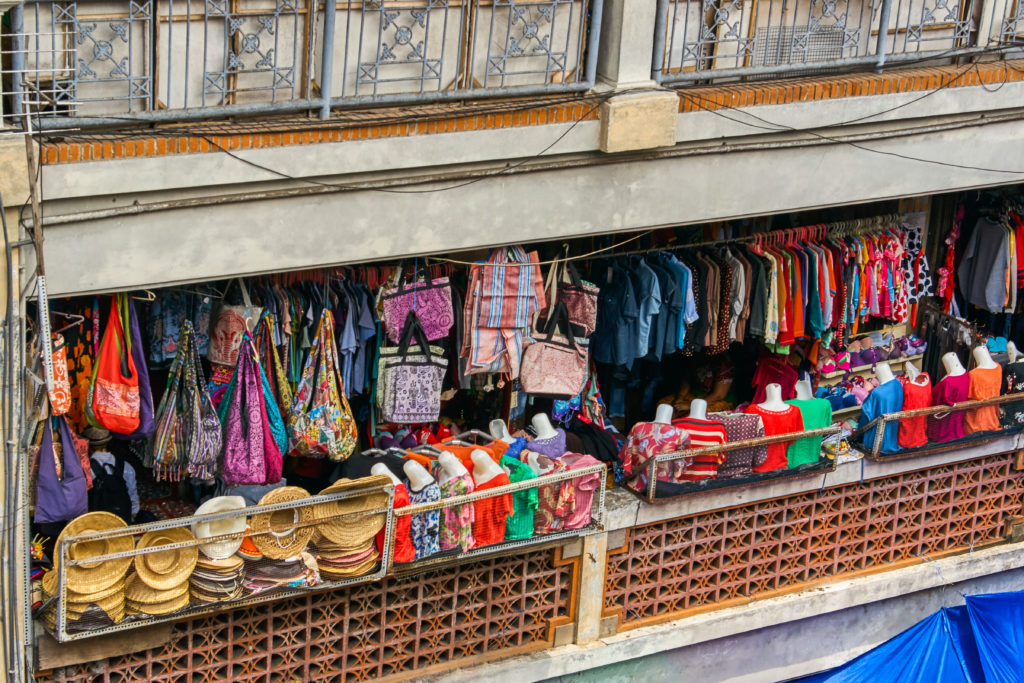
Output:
x=627 y=44
x=590 y=600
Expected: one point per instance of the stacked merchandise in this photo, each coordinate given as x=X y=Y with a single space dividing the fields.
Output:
x=218 y=575
x=347 y=528
x=160 y=584
x=275 y=551
x=216 y=580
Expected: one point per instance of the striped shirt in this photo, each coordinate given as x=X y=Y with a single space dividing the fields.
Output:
x=702 y=433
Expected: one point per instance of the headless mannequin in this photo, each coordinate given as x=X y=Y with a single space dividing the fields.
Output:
x=664 y=414
x=418 y=476
x=803 y=390
x=542 y=425
x=884 y=373
x=484 y=467
x=951 y=362
x=773 y=398
x=984 y=359
x=913 y=373
x=381 y=468
x=1011 y=352
x=699 y=409
x=500 y=431
x=533 y=460
x=450 y=466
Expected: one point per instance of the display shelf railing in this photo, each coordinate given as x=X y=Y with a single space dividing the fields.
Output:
x=873 y=451
x=101 y=606
x=590 y=522
x=674 y=490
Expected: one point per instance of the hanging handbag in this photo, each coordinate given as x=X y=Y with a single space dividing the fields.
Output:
x=389 y=353
x=555 y=367
x=146 y=413
x=60 y=496
x=115 y=387
x=580 y=298
x=244 y=447
x=270 y=361
x=322 y=423
x=60 y=393
x=229 y=324
x=412 y=381
x=432 y=302
x=273 y=463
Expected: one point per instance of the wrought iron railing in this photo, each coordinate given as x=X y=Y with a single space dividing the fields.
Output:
x=696 y=40
x=103 y=61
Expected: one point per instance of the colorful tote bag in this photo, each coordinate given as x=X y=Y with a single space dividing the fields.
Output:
x=580 y=298
x=322 y=423
x=60 y=394
x=555 y=366
x=146 y=412
x=244 y=443
x=273 y=369
x=61 y=493
x=412 y=381
x=114 y=393
x=431 y=301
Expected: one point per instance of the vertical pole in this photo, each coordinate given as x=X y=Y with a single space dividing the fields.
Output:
x=18 y=63
x=593 y=41
x=327 y=58
x=590 y=598
x=883 y=33
x=658 y=58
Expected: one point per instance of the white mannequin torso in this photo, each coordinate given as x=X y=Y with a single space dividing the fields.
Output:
x=984 y=359
x=664 y=414
x=912 y=372
x=699 y=409
x=451 y=466
x=418 y=476
x=884 y=373
x=500 y=431
x=951 y=362
x=382 y=469
x=773 y=399
x=803 y=390
x=1011 y=352
x=542 y=425
x=533 y=460
x=484 y=467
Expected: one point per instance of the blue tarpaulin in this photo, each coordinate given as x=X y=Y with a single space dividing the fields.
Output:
x=981 y=642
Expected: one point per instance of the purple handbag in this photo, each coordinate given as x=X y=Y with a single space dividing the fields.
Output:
x=59 y=499
x=244 y=459
x=432 y=302
x=147 y=422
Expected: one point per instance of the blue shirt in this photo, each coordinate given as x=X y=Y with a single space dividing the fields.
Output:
x=648 y=299
x=886 y=398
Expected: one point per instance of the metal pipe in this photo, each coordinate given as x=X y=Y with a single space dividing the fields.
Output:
x=18 y=63
x=658 y=58
x=593 y=42
x=883 y=34
x=327 y=57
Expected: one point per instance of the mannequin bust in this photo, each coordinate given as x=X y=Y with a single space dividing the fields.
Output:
x=699 y=409
x=1011 y=352
x=381 y=468
x=418 y=476
x=451 y=466
x=664 y=414
x=484 y=467
x=773 y=398
x=884 y=373
x=803 y=390
x=951 y=362
x=542 y=424
x=533 y=460
x=499 y=430
x=912 y=372
x=983 y=358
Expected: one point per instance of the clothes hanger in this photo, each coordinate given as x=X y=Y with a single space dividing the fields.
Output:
x=150 y=296
x=75 y=319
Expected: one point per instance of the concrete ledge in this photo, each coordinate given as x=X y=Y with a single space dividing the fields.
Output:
x=761 y=614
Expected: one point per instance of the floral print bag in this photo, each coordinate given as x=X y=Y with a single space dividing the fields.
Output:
x=412 y=381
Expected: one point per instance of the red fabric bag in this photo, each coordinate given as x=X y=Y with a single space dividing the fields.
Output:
x=115 y=389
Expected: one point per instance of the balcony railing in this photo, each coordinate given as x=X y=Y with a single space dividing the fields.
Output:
x=105 y=61
x=697 y=40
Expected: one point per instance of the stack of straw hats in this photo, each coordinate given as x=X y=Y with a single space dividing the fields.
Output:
x=218 y=575
x=274 y=550
x=346 y=529
x=95 y=596
x=160 y=585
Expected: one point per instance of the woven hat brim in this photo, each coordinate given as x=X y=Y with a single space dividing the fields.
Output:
x=159 y=608
x=139 y=592
x=231 y=563
x=187 y=558
x=218 y=550
x=335 y=521
x=49 y=584
x=281 y=545
x=358 y=570
x=90 y=579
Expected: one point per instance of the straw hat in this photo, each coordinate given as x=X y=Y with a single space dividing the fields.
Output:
x=220 y=549
x=342 y=530
x=222 y=565
x=136 y=591
x=283 y=533
x=248 y=550
x=166 y=569
x=97 y=436
x=159 y=608
x=91 y=577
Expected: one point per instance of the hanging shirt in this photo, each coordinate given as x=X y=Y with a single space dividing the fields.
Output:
x=702 y=433
x=916 y=394
x=786 y=421
x=405 y=551
x=983 y=383
x=645 y=441
x=982 y=271
x=740 y=427
x=1013 y=383
x=816 y=413
x=425 y=526
x=524 y=502
x=492 y=513
x=579 y=513
x=885 y=398
x=649 y=302
x=457 y=529
x=950 y=389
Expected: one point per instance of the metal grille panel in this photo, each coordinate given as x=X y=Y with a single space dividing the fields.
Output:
x=399 y=627
x=714 y=559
